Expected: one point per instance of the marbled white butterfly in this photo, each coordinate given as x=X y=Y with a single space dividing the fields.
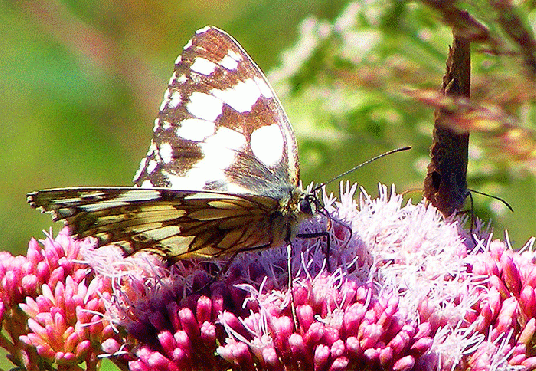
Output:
x=221 y=175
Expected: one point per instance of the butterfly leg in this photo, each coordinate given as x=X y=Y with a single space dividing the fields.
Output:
x=471 y=219
x=328 y=243
x=215 y=277
x=291 y=287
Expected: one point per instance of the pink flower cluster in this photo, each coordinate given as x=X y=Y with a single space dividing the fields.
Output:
x=407 y=291
x=51 y=307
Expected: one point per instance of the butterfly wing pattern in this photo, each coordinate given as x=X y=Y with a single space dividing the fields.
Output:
x=221 y=175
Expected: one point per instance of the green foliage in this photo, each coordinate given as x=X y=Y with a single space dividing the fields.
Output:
x=79 y=97
x=360 y=68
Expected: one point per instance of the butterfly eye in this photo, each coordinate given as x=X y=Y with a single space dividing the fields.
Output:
x=308 y=205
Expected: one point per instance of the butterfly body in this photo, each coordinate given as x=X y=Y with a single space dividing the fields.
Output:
x=221 y=175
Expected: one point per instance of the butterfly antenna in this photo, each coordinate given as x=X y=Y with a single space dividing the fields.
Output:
x=360 y=165
x=494 y=197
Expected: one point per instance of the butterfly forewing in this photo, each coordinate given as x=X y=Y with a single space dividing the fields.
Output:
x=221 y=175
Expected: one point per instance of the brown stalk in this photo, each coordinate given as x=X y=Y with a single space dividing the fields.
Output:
x=445 y=185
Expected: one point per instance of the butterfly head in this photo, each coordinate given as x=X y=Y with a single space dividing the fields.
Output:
x=309 y=203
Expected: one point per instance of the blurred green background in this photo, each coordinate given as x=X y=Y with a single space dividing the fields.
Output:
x=82 y=82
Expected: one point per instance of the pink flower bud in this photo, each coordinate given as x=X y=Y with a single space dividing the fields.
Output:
x=403 y=364
x=204 y=309
x=321 y=356
x=512 y=277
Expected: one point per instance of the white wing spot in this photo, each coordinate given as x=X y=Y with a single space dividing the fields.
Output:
x=212 y=196
x=267 y=144
x=103 y=205
x=152 y=148
x=151 y=167
x=188 y=44
x=140 y=170
x=179 y=245
x=241 y=97
x=204 y=106
x=163 y=232
x=176 y=98
x=166 y=152
x=122 y=200
x=184 y=182
x=229 y=63
x=227 y=138
x=219 y=152
x=147 y=184
x=179 y=58
x=202 y=30
x=203 y=66
x=234 y=55
x=196 y=79
x=166 y=125
x=173 y=78
x=182 y=79
x=156 y=124
x=138 y=195
x=165 y=100
x=195 y=129
x=265 y=89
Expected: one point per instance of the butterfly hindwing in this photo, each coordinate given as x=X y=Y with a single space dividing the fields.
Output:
x=177 y=224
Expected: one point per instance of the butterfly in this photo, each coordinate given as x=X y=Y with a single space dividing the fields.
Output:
x=221 y=175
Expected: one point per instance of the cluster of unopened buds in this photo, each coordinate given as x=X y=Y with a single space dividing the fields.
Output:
x=407 y=291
